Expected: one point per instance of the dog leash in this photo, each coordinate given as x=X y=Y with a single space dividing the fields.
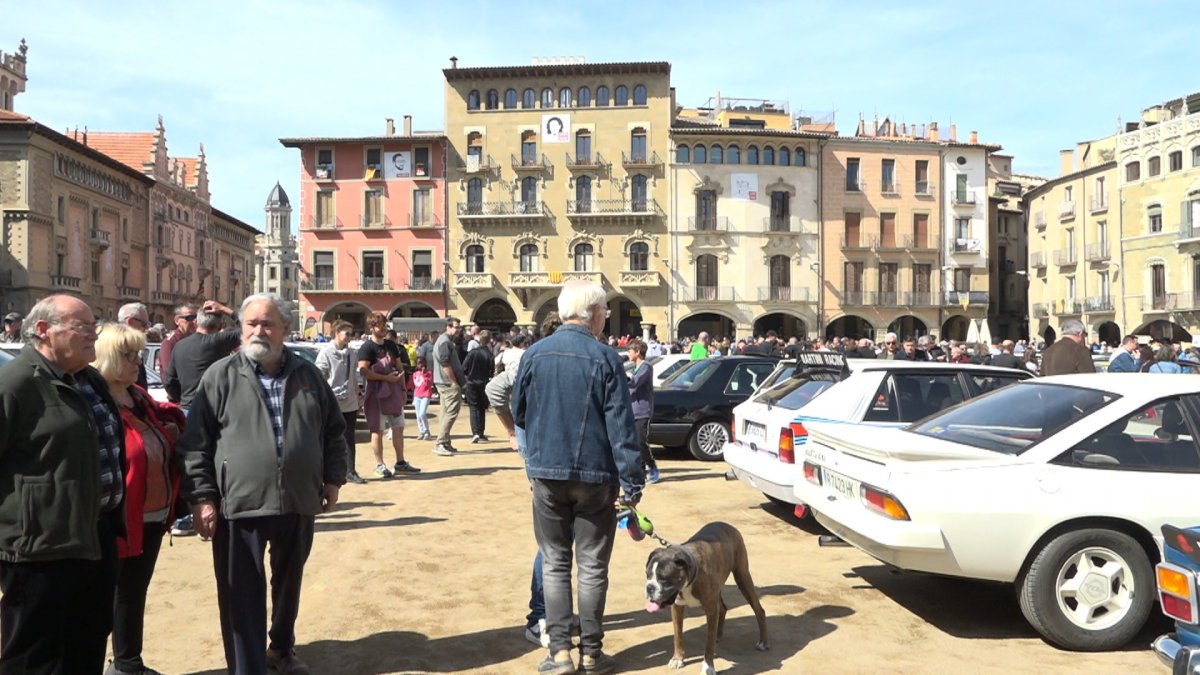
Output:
x=641 y=522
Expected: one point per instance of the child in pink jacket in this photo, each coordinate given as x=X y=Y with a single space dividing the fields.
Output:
x=422 y=390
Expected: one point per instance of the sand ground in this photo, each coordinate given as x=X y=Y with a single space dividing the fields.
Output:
x=430 y=574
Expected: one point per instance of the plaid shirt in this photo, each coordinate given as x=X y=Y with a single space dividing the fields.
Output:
x=112 y=482
x=272 y=389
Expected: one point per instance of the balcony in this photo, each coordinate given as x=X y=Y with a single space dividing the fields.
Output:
x=1064 y=258
x=581 y=275
x=967 y=246
x=1068 y=306
x=614 y=210
x=1097 y=251
x=532 y=164
x=535 y=279
x=890 y=242
x=785 y=224
x=323 y=173
x=98 y=237
x=769 y=294
x=861 y=242
x=1039 y=221
x=1188 y=232
x=890 y=188
x=373 y=283
x=425 y=221
x=888 y=299
x=918 y=299
x=1037 y=260
x=63 y=281
x=166 y=297
x=1041 y=310
x=593 y=162
x=1098 y=304
x=324 y=222
x=373 y=173
x=641 y=161
x=640 y=279
x=709 y=294
x=962 y=197
x=317 y=284
x=1169 y=302
x=1098 y=203
x=374 y=222
x=502 y=211
x=1066 y=210
x=708 y=224
x=973 y=298
x=129 y=292
x=923 y=188
x=856 y=299
x=474 y=164
x=912 y=243
x=474 y=281
x=855 y=184
x=426 y=285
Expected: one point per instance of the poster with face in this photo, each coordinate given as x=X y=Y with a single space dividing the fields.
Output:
x=556 y=128
x=397 y=164
x=744 y=186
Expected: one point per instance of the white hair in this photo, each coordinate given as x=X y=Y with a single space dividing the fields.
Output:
x=577 y=300
x=130 y=310
x=1073 y=327
x=282 y=306
x=891 y=336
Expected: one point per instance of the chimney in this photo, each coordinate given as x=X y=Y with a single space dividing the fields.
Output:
x=933 y=132
x=953 y=133
x=1066 y=162
x=454 y=63
x=391 y=127
x=973 y=139
x=408 y=125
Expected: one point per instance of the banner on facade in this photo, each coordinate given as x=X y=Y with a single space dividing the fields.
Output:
x=556 y=128
x=744 y=186
x=398 y=164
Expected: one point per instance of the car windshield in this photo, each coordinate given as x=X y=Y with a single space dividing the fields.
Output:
x=797 y=391
x=782 y=371
x=691 y=376
x=1012 y=419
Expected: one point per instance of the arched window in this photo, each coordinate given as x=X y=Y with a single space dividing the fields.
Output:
x=699 y=155
x=583 y=194
x=621 y=95
x=529 y=193
x=785 y=157
x=528 y=99
x=510 y=99
x=475 y=258
x=716 y=155
x=601 y=96
x=798 y=158
x=683 y=154
x=733 y=155
x=768 y=156
x=752 y=154
x=583 y=147
x=564 y=97
x=585 y=258
x=638 y=194
x=473 y=100
x=475 y=195
x=639 y=256
x=493 y=99
x=637 y=145
x=547 y=98
x=584 y=98
x=529 y=257
x=639 y=95
x=707 y=278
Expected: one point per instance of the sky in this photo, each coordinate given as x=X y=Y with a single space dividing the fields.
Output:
x=1034 y=77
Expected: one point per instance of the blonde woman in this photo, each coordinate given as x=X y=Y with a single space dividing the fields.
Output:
x=151 y=486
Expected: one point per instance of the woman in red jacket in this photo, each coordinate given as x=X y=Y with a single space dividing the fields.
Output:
x=151 y=487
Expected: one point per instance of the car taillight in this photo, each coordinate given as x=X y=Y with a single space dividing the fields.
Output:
x=1177 y=592
x=884 y=503
x=733 y=431
x=812 y=473
x=787 y=451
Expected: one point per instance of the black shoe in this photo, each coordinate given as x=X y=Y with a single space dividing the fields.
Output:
x=353 y=477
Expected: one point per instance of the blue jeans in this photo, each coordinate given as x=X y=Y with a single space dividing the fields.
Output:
x=421 y=404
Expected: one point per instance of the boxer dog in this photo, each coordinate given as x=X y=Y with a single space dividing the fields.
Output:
x=692 y=574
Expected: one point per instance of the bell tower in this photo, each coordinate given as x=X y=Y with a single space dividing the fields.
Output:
x=12 y=76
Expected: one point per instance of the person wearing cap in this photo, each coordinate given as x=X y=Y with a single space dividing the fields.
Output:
x=12 y=328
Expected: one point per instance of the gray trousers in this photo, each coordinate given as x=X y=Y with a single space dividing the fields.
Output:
x=570 y=516
x=449 y=403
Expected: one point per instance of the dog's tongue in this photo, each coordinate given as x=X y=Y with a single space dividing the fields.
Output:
x=652 y=606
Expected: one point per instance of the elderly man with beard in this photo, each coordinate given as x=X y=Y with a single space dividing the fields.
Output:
x=264 y=452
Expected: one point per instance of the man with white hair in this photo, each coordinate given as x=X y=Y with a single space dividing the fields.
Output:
x=271 y=423
x=1070 y=354
x=136 y=316
x=581 y=447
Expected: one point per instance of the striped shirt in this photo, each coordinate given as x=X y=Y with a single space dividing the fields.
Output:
x=112 y=482
x=272 y=389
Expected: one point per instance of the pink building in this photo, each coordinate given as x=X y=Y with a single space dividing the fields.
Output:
x=372 y=228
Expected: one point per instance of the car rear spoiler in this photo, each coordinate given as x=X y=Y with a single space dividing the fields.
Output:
x=809 y=362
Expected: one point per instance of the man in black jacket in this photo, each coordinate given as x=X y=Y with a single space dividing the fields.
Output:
x=478 y=367
x=62 y=504
x=1006 y=358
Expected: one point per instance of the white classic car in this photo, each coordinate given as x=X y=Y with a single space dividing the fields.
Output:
x=1058 y=485
x=770 y=428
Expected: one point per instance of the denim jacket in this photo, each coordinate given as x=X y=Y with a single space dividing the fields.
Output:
x=571 y=398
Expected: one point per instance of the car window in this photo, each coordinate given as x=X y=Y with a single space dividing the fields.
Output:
x=782 y=371
x=694 y=374
x=907 y=397
x=985 y=382
x=1013 y=419
x=747 y=377
x=5 y=357
x=1156 y=438
x=795 y=392
x=673 y=368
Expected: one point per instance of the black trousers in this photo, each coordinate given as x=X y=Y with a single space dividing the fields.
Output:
x=239 y=548
x=129 y=608
x=351 y=419
x=643 y=432
x=478 y=402
x=55 y=616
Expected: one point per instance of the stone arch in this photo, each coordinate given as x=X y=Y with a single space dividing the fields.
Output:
x=529 y=237
x=785 y=323
x=494 y=314
x=780 y=186
x=716 y=323
x=1107 y=331
x=475 y=238
x=349 y=310
x=413 y=308
x=956 y=327
x=585 y=237
x=1163 y=329
x=851 y=326
x=908 y=326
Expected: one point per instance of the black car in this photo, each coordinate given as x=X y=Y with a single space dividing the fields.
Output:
x=694 y=407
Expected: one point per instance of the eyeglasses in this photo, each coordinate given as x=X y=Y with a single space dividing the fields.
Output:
x=186 y=317
x=85 y=329
x=141 y=322
x=133 y=357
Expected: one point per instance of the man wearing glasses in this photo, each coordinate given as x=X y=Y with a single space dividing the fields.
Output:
x=62 y=493
x=185 y=325
x=136 y=316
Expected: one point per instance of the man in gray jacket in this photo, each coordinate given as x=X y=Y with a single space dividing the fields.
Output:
x=264 y=452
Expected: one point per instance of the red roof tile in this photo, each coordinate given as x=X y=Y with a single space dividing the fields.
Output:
x=133 y=149
x=9 y=115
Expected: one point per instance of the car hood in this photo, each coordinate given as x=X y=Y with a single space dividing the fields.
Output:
x=882 y=443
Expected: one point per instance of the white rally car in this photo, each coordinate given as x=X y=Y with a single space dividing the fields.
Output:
x=770 y=428
x=1057 y=485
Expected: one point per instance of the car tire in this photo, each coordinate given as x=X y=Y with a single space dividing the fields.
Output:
x=1088 y=590
x=708 y=439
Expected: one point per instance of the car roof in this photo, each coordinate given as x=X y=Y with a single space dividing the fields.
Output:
x=1148 y=384
x=884 y=364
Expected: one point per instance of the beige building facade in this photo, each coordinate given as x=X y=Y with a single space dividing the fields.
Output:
x=558 y=171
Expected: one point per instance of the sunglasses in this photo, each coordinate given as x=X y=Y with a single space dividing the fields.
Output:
x=186 y=317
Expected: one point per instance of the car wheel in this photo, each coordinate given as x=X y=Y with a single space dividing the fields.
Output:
x=708 y=440
x=1088 y=590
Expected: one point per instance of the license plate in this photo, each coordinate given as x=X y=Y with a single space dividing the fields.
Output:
x=756 y=432
x=846 y=487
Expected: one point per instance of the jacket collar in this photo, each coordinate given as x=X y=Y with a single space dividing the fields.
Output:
x=575 y=328
x=248 y=367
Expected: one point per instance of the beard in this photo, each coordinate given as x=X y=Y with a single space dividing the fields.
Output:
x=262 y=351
